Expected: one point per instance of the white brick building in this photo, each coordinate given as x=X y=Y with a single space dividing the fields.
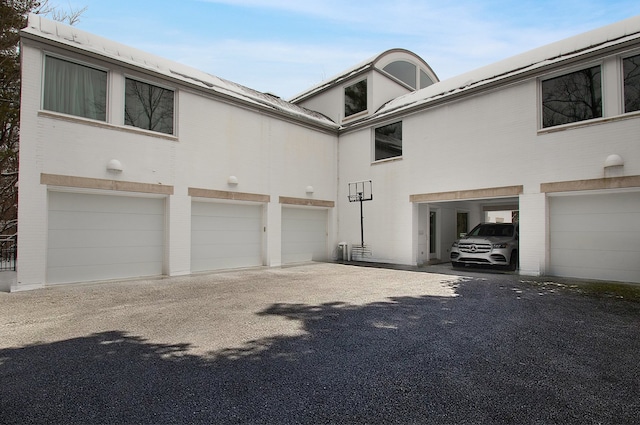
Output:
x=132 y=165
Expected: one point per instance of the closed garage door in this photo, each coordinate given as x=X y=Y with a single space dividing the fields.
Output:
x=225 y=236
x=596 y=236
x=304 y=235
x=99 y=237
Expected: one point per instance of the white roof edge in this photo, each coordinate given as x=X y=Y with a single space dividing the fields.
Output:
x=70 y=36
x=541 y=56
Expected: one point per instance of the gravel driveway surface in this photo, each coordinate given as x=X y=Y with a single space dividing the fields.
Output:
x=321 y=343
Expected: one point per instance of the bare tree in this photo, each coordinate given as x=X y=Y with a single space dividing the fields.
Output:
x=69 y=16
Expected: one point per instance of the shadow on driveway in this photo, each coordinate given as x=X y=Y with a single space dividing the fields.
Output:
x=493 y=354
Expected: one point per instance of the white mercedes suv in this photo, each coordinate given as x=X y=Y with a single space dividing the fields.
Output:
x=491 y=244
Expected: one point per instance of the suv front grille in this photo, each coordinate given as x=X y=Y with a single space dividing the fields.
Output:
x=472 y=248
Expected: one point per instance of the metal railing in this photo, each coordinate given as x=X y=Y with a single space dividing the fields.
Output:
x=8 y=252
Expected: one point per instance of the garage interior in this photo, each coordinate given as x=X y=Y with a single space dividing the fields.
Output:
x=443 y=222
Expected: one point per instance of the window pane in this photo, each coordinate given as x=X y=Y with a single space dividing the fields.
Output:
x=355 y=98
x=425 y=80
x=388 y=141
x=631 y=69
x=75 y=89
x=571 y=98
x=403 y=71
x=148 y=107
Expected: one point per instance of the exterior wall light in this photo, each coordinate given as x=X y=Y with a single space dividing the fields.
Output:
x=613 y=166
x=613 y=161
x=114 y=166
x=232 y=181
x=309 y=190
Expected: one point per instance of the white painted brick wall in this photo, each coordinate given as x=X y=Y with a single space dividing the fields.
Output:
x=268 y=155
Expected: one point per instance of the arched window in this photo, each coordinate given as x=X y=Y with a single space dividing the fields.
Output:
x=403 y=71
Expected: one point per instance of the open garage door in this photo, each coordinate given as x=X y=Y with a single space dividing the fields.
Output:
x=225 y=236
x=595 y=236
x=304 y=235
x=100 y=237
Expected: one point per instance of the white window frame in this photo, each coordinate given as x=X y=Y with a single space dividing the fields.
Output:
x=373 y=143
x=156 y=84
x=621 y=59
x=344 y=100
x=92 y=65
x=560 y=73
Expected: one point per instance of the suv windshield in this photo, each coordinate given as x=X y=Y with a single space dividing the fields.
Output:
x=492 y=230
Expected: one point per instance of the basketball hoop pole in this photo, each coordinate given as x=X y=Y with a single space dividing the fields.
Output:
x=360 y=192
x=361 y=221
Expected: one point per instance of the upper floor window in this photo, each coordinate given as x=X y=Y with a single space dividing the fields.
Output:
x=572 y=97
x=388 y=141
x=147 y=106
x=74 y=89
x=403 y=71
x=355 y=98
x=425 y=80
x=631 y=70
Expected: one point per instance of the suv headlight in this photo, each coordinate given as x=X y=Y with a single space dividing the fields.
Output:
x=455 y=244
x=500 y=245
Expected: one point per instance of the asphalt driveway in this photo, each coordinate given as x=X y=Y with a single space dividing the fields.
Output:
x=322 y=343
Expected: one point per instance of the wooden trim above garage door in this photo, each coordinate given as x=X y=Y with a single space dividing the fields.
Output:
x=592 y=184
x=225 y=194
x=306 y=202
x=491 y=192
x=104 y=184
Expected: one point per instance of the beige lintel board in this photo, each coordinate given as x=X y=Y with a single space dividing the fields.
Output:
x=592 y=184
x=492 y=192
x=307 y=202
x=104 y=184
x=225 y=194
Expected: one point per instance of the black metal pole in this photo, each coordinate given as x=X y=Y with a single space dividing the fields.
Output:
x=361 y=222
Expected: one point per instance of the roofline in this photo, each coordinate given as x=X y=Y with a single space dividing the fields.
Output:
x=354 y=71
x=240 y=99
x=444 y=92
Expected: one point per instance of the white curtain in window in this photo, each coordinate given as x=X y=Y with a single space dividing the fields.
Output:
x=75 y=89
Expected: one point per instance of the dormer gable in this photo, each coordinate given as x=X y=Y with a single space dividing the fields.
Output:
x=361 y=90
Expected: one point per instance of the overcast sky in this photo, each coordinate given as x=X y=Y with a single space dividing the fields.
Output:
x=287 y=46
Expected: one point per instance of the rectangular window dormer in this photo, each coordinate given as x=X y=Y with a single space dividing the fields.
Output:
x=355 y=98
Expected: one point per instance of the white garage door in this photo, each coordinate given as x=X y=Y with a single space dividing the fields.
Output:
x=99 y=237
x=225 y=236
x=596 y=236
x=304 y=235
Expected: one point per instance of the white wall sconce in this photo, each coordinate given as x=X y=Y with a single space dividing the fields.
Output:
x=309 y=190
x=613 y=161
x=613 y=166
x=232 y=181
x=114 y=166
